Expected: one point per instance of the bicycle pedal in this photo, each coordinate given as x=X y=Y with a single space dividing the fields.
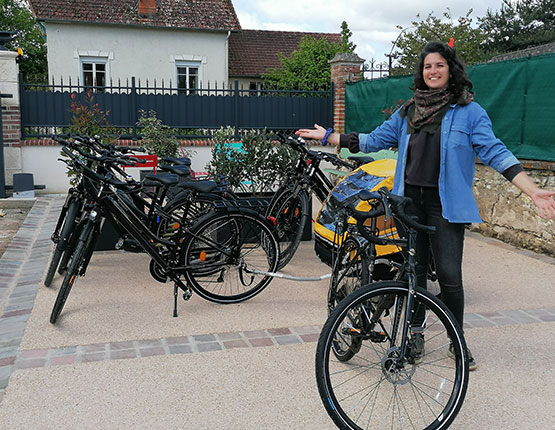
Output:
x=377 y=337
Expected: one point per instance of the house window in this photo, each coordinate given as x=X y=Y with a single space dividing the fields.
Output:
x=93 y=72
x=255 y=88
x=188 y=77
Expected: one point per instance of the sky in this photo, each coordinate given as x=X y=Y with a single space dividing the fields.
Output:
x=373 y=23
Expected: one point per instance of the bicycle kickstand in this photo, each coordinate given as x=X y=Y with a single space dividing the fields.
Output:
x=186 y=296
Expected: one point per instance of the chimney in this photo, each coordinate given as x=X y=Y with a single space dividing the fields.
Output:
x=147 y=7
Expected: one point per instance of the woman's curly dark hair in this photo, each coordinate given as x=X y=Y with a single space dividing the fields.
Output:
x=458 y=79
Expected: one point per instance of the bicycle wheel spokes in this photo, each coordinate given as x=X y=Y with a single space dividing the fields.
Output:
x=347 y=273
x=291 y=214
x=379 y=387
x=226 y=255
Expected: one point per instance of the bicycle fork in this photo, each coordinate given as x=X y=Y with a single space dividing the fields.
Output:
x=409 y=313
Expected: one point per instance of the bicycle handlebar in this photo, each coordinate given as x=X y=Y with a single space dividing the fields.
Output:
x=299 y=144
x=89 y=172
x=386 y=204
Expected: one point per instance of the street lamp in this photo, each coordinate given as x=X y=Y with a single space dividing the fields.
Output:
x=395 y=43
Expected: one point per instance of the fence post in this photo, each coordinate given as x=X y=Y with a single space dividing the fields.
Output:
x=344 y=68
x=236 y=109
x=133 y=109
x=10 y=151
x=21 y=104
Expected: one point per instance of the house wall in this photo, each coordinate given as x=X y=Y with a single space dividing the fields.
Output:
x=42 y=162
x=146 y=53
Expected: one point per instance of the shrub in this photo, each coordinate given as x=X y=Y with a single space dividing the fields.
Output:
x=158 y=138
x=257 y=164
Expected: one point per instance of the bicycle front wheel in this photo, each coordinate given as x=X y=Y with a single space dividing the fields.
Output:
x=68 y=228
x=228 y=254
x=290 y=211
x=384 y=385
x=78 y=259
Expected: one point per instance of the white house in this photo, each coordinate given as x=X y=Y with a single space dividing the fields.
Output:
x=188 y=44
x=97 y=42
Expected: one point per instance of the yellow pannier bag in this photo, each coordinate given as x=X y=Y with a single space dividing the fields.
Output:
x=371 y=176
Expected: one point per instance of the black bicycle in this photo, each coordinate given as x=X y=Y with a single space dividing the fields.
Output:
x=188 y=197
x=219 y=257
x=390 y=354
x=290 y=205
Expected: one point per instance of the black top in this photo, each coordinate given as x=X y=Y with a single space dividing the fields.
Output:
x=423 y=155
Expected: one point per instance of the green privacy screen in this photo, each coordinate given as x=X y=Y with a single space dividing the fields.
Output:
x=519 y=96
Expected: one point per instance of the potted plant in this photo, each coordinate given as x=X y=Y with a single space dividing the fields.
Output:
x=158 y=138
x=254 y=166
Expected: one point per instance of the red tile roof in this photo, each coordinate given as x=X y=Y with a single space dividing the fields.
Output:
x=190 y=14
x=253 y=52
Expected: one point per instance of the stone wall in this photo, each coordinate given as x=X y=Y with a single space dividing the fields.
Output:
x=510 y=215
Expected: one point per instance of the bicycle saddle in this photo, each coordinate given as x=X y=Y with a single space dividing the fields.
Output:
x=166 y=179
x=201 y=186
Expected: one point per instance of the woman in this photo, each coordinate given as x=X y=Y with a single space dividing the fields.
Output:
x=438 y=133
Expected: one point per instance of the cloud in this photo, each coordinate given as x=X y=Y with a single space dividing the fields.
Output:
x=373 y=23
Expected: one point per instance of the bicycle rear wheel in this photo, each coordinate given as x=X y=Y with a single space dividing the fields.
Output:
x=187 y=209
x=291 y=214
x=379 y=387
x=223 y=253
x=350 y=272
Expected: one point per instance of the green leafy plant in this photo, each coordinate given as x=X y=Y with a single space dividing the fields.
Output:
x=87 y=119
x=158 y=138
x=256 y=165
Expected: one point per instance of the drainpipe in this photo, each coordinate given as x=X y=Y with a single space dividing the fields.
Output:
x=226 y=66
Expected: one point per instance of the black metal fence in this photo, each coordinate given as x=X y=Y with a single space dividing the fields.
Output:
x=45 y=109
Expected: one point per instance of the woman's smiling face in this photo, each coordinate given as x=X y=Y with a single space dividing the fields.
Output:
x=435 y=71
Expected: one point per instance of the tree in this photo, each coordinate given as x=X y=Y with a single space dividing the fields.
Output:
x=346 y=45
x=468 y=40
x=307 y=68
x=518 y=24
x=16 y=16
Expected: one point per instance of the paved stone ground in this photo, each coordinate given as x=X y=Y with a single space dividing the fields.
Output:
x=10 y=221
x=21 y=271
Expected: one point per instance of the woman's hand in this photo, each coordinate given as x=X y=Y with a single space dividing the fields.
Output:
x=543 y=199
x=317 y=133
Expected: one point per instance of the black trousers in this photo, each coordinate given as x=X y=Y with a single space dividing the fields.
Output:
x=446 y=244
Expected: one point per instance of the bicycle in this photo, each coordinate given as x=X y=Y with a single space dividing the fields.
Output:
x=215 y=256
x=290 y=204
x=358 y=261
x=188 y=196
x=393 y=369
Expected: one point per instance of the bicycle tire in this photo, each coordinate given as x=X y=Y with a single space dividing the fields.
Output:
x=200 y=206
x=72 y=271
x=379 y=389
x=291 y=215
x=63 y=241
x=72 y=244
x=350 y=272
x=222 y=278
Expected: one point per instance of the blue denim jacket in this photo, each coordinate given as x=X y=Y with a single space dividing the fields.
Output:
x=465 y=132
